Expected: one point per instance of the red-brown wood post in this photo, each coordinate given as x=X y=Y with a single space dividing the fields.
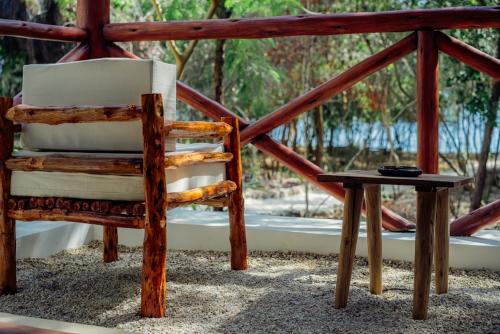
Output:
x=110 y=241
x=92 y=16
x=7 y=225
x=155 y=231
x=237 y=232
x=427 y=103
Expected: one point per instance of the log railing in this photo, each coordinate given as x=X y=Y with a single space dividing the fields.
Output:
x=98 y=35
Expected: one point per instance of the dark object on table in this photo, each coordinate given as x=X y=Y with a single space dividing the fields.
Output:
x=399 y=171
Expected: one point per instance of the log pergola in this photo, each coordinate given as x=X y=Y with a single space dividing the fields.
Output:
x=95 y=36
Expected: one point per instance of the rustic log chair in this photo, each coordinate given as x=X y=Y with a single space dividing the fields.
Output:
x=149 y=215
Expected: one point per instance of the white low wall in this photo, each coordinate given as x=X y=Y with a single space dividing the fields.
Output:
x=200 y=230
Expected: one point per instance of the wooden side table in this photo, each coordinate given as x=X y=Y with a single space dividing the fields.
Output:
x=432 y=222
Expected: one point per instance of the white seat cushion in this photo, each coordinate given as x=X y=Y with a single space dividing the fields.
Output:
x=107 y=81
x=115 y=187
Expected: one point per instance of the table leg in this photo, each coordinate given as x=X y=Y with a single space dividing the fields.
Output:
x=426 y=215
x=350 y=228
x=374 y=233
x=441 y=241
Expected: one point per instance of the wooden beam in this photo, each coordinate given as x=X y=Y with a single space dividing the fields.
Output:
x=112 y=166
x=234 y=172
x=427 y=103
x=469 y=55
x=79 y=52
x=68 y=164
x=178 y=160
x=373 y=200
x=200 y=194
x=348 y=240
x=324 y=92
x=92 y=16
x=23 y=113
x=78 y=217
x=23 y=29
x=484 y=217
x=197 y=130
x=302 y=25
x=426 y=217
x=153 y=281
x=117 y=52
x=7 y=225
x=110 y=243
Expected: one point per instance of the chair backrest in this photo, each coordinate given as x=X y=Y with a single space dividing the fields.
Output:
x=108 y=81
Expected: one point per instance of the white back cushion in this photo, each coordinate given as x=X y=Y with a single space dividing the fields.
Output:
x=105 y=81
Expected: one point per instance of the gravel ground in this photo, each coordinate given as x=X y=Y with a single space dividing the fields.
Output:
x=280 y=293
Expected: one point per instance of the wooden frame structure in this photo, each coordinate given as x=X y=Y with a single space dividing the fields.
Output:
x=149 y=214
x=95 y=36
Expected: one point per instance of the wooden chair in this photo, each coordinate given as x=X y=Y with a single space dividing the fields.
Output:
x=149 y=214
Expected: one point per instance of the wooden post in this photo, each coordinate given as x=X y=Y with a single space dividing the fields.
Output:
x=7 y=225
x=441 y=241
x=427 y=103
x=374 y=233
x=92 y=16
x=155 y=189
x=350 y=229
x=426 y=215
x=110 y=240
x=237 y=233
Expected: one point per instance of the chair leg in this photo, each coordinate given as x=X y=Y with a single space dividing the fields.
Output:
x=441 y=241
x=7 y=225
x=155 y=191
x=374 y=234
x=237 y=232
x=350 y=229
x=110 y=240
x=7 y=255
x=426 y=215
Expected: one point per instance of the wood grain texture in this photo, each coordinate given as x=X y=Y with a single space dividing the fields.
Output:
x=391 y=221
x=234 y=173
x=441 y=241
x=23 y=29
x=374 y=236
x=325 y=24
x=23 y=113
x=91 y=16
x=426 y=216
x=486 y=216
x=201 y=194
x=197 y=129
x=113 y=166
x=468 y=55
x=427 y=103
x=94 y=218
x=153 y=282
x=7 y=224
x=327 y=90
x=349 y=237
x=373 y=177
x=110 y=243
x=65 y=204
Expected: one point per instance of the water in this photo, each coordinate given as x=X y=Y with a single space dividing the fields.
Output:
x=461 y=135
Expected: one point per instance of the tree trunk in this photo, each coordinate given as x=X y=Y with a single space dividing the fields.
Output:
x=222 y=13
x=318 y=125
x=485 y=148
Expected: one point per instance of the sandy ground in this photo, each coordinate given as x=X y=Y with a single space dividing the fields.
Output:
x=280 y=293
